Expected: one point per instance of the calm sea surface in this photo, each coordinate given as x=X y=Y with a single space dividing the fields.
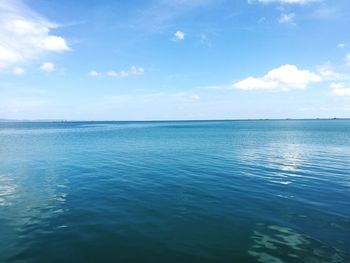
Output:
x=214 y=191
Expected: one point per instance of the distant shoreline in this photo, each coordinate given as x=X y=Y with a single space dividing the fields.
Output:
x=179 y=120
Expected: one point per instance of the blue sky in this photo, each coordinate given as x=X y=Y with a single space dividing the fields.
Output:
x=174 y=59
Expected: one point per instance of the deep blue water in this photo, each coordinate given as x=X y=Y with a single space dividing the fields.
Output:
x=215 y=191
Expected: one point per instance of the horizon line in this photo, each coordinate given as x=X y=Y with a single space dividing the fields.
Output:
x=176 y=120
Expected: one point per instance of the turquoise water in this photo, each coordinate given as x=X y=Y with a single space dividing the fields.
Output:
x=215 y=191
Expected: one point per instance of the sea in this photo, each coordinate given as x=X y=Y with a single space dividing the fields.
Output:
x=271 y=191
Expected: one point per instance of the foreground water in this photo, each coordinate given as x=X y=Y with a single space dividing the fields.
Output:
x=220 y=191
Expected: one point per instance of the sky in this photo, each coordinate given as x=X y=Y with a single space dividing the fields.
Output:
x=174 y=59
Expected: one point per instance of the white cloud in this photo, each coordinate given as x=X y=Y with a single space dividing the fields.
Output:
x=347 y=58
x=55 y=44
x=285 y=77
x=341 y=45
x=340 y=89
x=178 y=36
x=18 y=71
x=286 y=18
x=300 y=2
x=133 y=71
x=25 y=35
x=252 y=83
x=47 y=67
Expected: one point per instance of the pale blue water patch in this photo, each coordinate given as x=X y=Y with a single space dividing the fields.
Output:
x=211 y=191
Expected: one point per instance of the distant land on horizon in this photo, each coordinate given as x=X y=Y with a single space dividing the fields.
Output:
x=178 y=120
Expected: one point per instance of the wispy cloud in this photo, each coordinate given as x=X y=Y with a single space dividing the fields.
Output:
x=340 y=89
x=161 y=13
x=194 y=97
x=300 y=2
x=328 y=73
x=22 y=105
x=185 y=4
x=18 y=71
x=216 y=87
x=48 y=67
x=325 y=12
x=286 y=18
x=261 y=20
x=133 y=71
x=94 y=73
x=25 y=34
x=205 y=40
x=347 y=58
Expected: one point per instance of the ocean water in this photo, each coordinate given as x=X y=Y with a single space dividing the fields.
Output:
x=206 y=191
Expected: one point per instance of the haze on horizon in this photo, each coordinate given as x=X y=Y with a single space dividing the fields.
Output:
x=174 y=59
